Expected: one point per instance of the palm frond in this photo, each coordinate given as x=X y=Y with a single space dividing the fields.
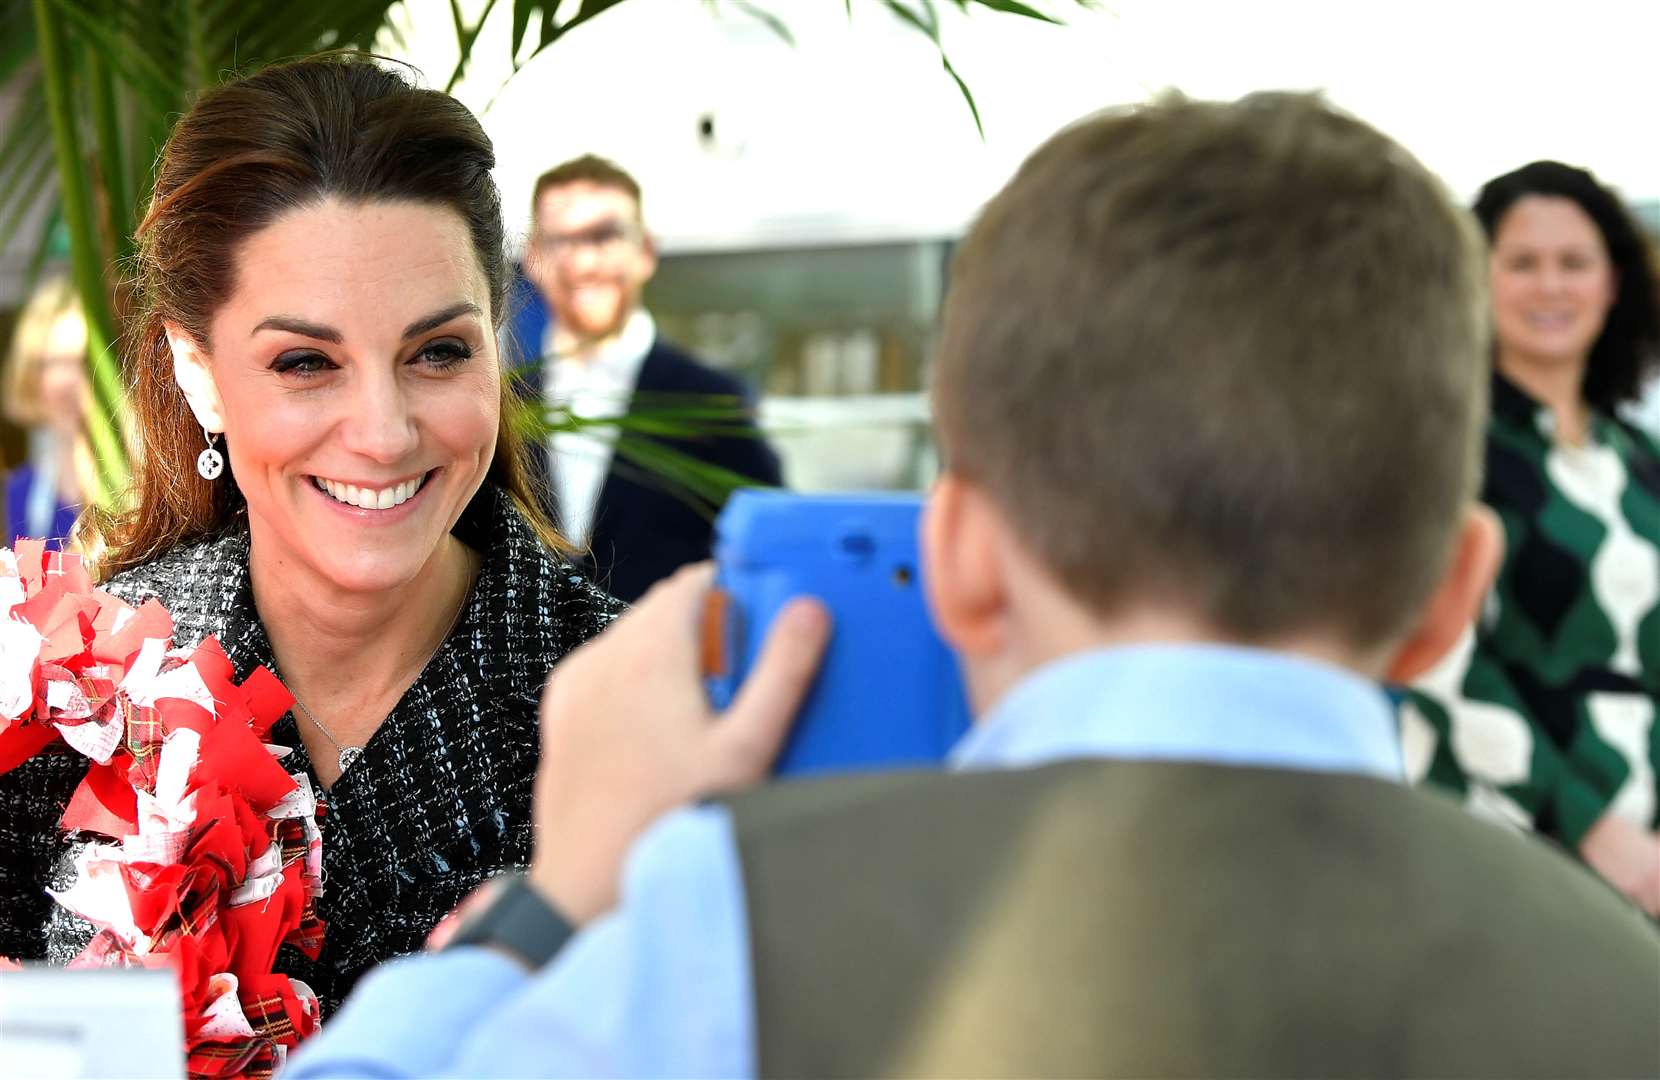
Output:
x=697 y=483
x=30 y=188
x=766 y=18
x=465 y=36
x=652 y=437
x=17 y=38
x=1015 y=7
x=41 y=248
x=160 y=88
x=925 y=21
x=24 y=145
x=552 y=31
x=111 y=169
x=284 y=32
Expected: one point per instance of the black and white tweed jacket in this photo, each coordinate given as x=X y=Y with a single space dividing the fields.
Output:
x=440 y=799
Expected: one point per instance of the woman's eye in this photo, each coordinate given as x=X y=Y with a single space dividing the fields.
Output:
x=301 y=363
x=447 y=353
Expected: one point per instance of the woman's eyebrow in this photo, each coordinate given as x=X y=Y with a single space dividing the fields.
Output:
x=439 y=318
x=292 y=325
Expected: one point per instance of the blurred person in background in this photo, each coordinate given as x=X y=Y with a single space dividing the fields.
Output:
x=325 y=484
x=1545 y=715
x=47 y=394
x=589 y=256
x=1230 y=484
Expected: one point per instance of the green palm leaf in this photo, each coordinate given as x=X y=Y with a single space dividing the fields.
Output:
x=17 y=38
x=646 y=438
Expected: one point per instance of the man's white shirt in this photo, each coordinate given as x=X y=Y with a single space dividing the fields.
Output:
x=597 y=385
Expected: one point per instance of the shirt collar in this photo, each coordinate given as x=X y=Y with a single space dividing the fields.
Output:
x=1214 y=704
x=1515 y=406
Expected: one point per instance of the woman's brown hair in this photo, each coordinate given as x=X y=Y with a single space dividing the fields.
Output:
x=246 y=153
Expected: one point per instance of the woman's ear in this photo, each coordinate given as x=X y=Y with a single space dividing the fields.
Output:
x=1457 y=599
x=195 y=378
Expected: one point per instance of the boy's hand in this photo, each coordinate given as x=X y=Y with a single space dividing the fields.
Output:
x=628 y=733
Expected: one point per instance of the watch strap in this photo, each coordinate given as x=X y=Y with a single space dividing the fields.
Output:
x=518 y=920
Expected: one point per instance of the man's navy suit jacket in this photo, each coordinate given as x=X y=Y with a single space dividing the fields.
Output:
x=644 y=526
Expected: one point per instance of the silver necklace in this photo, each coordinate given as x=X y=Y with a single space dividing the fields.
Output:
x=348 y=755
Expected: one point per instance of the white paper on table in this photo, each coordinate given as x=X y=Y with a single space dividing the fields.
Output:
x=97 y=1024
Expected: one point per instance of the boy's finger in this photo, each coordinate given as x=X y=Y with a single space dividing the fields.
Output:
x=753 y=729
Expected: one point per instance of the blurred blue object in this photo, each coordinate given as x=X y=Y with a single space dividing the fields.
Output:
x=890 y=692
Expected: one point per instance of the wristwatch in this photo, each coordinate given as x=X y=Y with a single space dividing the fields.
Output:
x=506 y=913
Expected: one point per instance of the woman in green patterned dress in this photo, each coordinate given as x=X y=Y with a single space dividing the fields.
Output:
x=1545 y=716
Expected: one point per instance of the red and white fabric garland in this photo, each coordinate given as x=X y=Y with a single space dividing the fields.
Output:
x=207 y=855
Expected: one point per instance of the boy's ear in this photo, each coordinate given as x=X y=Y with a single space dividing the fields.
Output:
x=195 y=378
x=964 y=568
x=1456 y=601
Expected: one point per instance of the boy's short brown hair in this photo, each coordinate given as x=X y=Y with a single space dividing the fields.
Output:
x=587 y=169
x=1227 y=355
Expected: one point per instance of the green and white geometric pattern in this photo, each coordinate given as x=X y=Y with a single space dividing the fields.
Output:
x=1544 y=715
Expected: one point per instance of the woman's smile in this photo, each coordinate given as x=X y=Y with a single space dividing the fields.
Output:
x=375 y=497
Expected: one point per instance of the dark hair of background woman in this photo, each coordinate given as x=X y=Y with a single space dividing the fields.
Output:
x=247 y=153
x=1628 y=349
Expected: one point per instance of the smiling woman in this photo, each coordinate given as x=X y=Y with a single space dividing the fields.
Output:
x=322 y=276
x=1547 y=715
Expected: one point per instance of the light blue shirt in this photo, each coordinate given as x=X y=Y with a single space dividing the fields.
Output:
x=662 y=985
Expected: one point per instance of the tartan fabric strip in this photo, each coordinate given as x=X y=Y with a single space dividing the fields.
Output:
x=268 y=1014
x=308 y=936
x=144 y=729
x=254 y=1058
x=199 y=906
x=144 y=737
x=98 y=689
x=289 y=835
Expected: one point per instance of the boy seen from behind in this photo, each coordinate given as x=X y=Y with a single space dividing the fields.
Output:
x=1209 y=393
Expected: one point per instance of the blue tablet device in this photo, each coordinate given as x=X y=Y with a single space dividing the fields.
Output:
x=889 y=692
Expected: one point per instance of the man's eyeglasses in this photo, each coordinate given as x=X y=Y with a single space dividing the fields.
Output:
x=605 y=238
